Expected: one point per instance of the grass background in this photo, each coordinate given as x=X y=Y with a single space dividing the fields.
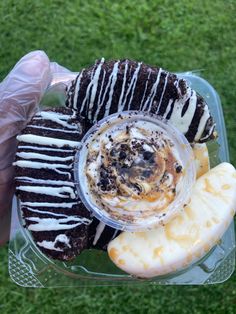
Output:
x=176 y=35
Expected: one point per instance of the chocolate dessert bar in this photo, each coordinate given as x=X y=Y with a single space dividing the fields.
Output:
x=45 y=184
x=120 y=85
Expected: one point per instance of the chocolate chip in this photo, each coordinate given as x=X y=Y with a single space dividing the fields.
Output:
x=147 y=173
x=147 y=155
x=178 y=169
x=124 y=146
x=103 y=174
x=122 y=155
x=113 y=152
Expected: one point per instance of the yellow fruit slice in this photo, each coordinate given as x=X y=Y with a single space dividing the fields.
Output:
x=186 y=238
x=201 y=157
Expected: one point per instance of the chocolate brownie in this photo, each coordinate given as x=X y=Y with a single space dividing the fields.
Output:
x=121 y=85
x=59 y=222
x=50 y=206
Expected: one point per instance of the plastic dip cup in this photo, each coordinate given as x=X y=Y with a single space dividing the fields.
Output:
x=134 y=170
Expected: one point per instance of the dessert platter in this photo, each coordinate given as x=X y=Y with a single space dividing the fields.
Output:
x=126 y=180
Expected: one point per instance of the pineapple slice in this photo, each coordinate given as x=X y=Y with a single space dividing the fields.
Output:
x=201 y=157
x=187 y=237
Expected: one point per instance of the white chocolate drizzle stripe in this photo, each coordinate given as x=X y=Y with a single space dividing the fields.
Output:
x=202 y=124
x=99 y=230
x=51 y=129
x=48 y=141
x=183 y=123
x=146 y=85
x=152 y=93
x=120 y=104
x=56 y=117
x=77 y=87
x=44 y=212
x=52 y=149
x=52 y=191
x=85 y=101
x=50 y=224
x=50 y=245
x=94 y=84
x=133 y=83
x=113 y=82
x=163 y=92
x=99 y=98
x=44 y=181
x=27 y=155
x=39 y=165
x=45 y=204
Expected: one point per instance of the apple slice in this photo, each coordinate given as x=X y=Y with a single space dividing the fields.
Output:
x=201 y=157
x=187 y=237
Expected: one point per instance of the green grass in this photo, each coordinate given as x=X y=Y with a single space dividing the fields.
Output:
x=176 y=35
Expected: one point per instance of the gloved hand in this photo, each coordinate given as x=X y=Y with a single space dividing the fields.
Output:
x=20 y=94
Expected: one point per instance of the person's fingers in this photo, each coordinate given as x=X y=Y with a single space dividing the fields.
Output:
x=7 y=153
x=6 y=194
x=57 y=68
x=21 y=91
x=20 y=94
x=61 y=74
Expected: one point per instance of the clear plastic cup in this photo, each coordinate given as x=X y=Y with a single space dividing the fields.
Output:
x=139 y=215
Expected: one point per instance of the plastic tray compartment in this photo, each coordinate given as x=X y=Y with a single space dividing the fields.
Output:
x=29 y=267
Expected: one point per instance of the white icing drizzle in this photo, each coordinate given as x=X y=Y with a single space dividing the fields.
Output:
x=209 y=132
x=52 y=149
x=43 y=212
x=113 y=73
x=183 y=123
x=163 y=92
x=51 y=129
x=168 y=108
x=99 y=98
x=85 y=101
x=50 y=245
x=52 y=191
x=41 y=165
x=59 y=118
x=113 y=78
x=202 y=124
x=94 y=84
x=146 y=85
x=29 y=155
x=120 y=104
x=45 y=204
x=133 y=84
x=77 y=86
x=114 y=234
x=44 y=181
x=48 y=141
x=99 y=230
x=50 y=224
x=152 y=93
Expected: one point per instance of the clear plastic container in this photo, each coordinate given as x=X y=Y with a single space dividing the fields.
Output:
x=29 y=267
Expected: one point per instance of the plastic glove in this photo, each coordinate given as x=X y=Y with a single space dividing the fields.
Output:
x=20 y=94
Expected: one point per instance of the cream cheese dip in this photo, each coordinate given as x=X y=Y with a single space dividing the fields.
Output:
x=134 y=170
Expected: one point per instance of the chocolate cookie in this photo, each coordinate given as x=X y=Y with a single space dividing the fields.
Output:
x=121 y=85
